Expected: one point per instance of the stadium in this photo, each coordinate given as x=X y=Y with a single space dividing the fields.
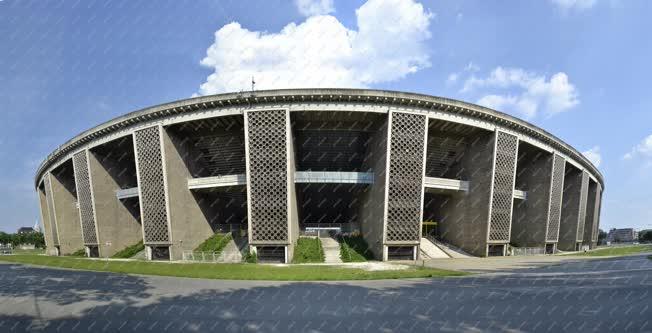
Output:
x=407 y=172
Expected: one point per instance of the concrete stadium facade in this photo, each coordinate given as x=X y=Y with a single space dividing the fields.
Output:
x=273 y=165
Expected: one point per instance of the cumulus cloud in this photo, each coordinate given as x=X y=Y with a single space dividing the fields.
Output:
x=567 y=5
x=644 y=148
x=314 y=7
x=530 y=92
x=593 y=155
x=321 y=52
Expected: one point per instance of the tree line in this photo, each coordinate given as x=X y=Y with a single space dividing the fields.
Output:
x=17 y=239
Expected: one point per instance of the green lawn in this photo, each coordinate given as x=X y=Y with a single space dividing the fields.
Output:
x=308 y=250
x=229 y=271
x=617 y=251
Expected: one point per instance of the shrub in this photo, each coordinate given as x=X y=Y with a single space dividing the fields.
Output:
x=251 y=257
x=354 y=249
x=308 y=250
x=215 y=243
x=129 y=251
x=78 y=253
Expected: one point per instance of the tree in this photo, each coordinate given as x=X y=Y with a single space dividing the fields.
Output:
x=645 y=236
x=5 y=238
x=602 y=236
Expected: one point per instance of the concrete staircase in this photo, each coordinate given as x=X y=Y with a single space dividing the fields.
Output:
x=431 y=251
x=231 y=253
x=451 y=251
x=331 y=249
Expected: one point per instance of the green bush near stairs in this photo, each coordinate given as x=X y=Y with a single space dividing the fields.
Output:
x=354 y=249
x=215 y=243
x=129 y=251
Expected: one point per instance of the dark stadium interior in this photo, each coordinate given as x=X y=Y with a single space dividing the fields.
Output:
x=225 y=208
x=213 y=147
x=65 y=174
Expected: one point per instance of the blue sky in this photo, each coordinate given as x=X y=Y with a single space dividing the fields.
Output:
x=577 y=68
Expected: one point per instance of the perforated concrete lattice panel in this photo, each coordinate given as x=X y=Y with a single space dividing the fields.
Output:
x=267 y=170
x=405 y=182
x=50 y=202
x=149 y=162
x=556 y=193
x=584 y=193
x=596 y=213
x=505 y=155
x=85 y=198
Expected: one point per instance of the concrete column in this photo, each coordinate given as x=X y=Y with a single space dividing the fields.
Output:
x=372 y=202
x=54 y=234
x=592 y=215
x=530 y=219
x=502 y=188
x=118 y=224
x=66 y=213
x=556 y=197
x=152 y=188
x=45 y=218
x=405 y=172
x=271 y=199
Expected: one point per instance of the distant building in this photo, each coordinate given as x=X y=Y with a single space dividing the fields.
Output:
x=25 y=230
x=626 y=235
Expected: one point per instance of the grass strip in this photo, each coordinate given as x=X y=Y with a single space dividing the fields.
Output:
x=230 y=271
x=308 y=250
x=616 y=251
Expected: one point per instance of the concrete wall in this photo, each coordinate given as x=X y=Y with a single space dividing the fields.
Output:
x=570 y=209
x=372 y=207
x=530 y=217
x=466 y=216
x=293 y=212
x=188 y=222
x=66 y=213
x=117 y=223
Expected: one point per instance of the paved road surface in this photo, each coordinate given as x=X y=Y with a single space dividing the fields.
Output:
x=605 y=295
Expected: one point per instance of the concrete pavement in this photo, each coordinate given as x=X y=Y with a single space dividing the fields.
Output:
x=595 y=295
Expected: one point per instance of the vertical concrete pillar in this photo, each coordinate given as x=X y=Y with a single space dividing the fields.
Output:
x=117 y=225
x=54 y=234
x=45 y=218
x=85 y=200
x=555 y=201
x=405 y=172
x=502 y=189
x=372 y=205
x=153 y=191
x=65 y=210
x=592 y=214
x=271 y=200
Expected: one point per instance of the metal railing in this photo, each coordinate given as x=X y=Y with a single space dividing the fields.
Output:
x=223 y=256
x=527 y=251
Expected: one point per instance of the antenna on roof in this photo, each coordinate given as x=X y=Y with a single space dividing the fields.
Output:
x=253 y=84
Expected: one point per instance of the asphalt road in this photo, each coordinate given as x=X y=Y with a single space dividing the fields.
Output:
x=603 y=295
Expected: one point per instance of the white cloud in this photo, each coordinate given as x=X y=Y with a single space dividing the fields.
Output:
x=593 y=155
x=532 y=91
x=644 y=148
x=314 y=7
x=321 y=52
x=567 y=5
x=452 y=78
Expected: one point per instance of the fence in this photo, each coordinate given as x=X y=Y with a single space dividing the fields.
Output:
x=527 y=251
x=225 y=256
